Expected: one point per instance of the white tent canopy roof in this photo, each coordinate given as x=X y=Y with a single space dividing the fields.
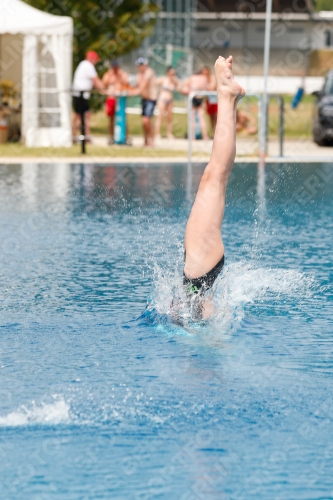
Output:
x=18 y=17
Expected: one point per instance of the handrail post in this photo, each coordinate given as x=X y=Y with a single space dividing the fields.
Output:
x=279 y=99
x=281 y=125
x=189 y=138
x=261 y=125
x=83 y=127
x=189 y=126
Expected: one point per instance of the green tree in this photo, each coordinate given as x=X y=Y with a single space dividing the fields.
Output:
x=324 y=5
x=111 y=27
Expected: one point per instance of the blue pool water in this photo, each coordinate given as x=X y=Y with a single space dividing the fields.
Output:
x=102 y=400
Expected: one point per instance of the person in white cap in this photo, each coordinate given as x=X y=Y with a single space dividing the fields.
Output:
x=147 y=88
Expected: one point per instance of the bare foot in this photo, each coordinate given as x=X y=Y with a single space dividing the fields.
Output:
x=149 y=143
x=224 y=78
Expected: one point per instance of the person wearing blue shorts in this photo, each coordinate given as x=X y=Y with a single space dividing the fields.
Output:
x=147 y=88
x=148 y=107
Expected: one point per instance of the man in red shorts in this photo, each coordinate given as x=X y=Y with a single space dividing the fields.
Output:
x=211 y=102
x=115 y=80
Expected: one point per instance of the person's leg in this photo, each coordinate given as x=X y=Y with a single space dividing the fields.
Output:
x=169 y=120
x=151 y=134
x=111 y=126
x=76 y=122
x=159 y=118
x=146 y=129
x=214 y=120
x=202 y=121
x=203 y=241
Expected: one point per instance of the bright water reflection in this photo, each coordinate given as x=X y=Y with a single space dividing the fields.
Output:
x=98 y=401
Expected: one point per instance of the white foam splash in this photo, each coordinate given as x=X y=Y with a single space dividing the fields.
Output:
x=241 y=284
x=53 y=413
x=247 y=283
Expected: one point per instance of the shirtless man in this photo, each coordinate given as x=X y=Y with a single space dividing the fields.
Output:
x=204 y=249
x=198 y=81
x=211 y=102
x=114 y=80
x=147 y=88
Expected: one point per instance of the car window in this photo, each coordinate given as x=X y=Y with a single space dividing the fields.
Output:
x=328 y=88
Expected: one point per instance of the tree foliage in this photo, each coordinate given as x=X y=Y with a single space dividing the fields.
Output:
x=111 y=27
x=324 y=5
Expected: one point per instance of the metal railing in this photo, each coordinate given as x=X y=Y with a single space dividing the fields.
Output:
x=263 y=147
x=190 y=98
x=82 y=136
x=280 y=101
x=203 y=93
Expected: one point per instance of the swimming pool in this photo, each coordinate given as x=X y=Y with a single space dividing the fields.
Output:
x=102 y=400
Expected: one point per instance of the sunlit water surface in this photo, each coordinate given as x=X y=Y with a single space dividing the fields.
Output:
x=101 y=398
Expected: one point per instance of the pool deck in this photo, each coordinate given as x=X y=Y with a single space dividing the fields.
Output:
x=297 y=151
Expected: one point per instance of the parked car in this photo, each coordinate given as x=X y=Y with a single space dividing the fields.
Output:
x=322 y=127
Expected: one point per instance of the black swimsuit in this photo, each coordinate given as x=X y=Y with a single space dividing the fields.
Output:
x=205 y=282
x=197 y=101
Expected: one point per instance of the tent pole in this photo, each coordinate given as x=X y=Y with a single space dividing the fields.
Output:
x=263 y=128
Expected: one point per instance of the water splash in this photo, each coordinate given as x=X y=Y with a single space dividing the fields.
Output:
x=45 y=414
x=241 y=285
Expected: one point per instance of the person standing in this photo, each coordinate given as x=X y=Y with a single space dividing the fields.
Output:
x=211 y=102
x=199 y=81
x=169 y=84
x=147 y=88
x=85 y=79
x=114 y=80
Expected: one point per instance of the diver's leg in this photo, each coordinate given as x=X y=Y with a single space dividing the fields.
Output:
x=203 y=240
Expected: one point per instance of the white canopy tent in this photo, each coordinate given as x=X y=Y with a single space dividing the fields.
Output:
x=36 y=54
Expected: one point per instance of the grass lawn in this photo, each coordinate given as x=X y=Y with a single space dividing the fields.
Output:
x=297 y=121
x=99 y=123
x=93 y=151
x=297 y=125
